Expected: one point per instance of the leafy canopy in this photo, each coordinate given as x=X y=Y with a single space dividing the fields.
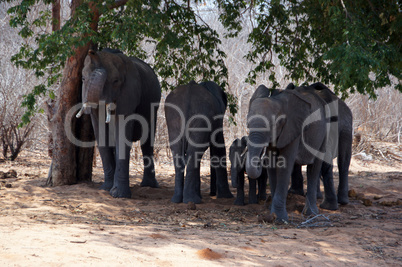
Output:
x=353 y=45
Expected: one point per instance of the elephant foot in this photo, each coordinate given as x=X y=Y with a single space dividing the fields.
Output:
x=279 y=213
x=319 y=195
x=281 y=217
x=120 y=192
x=329 y=205
x=177 y=198
x=253 y=200
x=309 y=210
x=195 y=198
x=225 y=194
x=343 y=199
x=239 y=202
x=149 y=182
x=106 y=186
x=296 y=191
x=212 y=193
x=262 y=197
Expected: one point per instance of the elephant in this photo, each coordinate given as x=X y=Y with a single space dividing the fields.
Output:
x=297 y=177
x=340 y=138
x=291 y=127
x=237 y=156
x=122 y=96
x=194 y=116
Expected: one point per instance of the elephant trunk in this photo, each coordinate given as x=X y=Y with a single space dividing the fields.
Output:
x=253 y=163
x=234 y=176
x=91 y=92
x=256 y=151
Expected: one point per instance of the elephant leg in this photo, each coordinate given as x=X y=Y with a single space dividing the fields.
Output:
x=262 y=185
x=319 y=193
x=106 y=150
x=109 y=166
x=218 y=153
x=240 y=189
x=179 y=165
x=344 y=157
x=279 y=199
x=272 y=180
x=148 y=178
x=252 y=191
x=213 y=181
x=330 y=201
x=121 y=186
x=191 y=190
x=296 y=186
x=283 y=179
x=313 y=172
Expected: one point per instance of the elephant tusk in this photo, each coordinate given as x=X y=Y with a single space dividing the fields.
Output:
x=108 y=113
x=79 y=114
x=244 y=152
x=85 y=106
x=264 y=152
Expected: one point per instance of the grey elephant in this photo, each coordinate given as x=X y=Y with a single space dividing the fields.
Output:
x=297 y=177
x=340 y=137
x=194 y=115
x=237 y=156
x=291 y=128
x=128 y=88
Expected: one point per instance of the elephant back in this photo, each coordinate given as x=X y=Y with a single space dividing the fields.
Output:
x=217 y=92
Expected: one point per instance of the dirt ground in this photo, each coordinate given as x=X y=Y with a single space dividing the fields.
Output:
x=81 y=225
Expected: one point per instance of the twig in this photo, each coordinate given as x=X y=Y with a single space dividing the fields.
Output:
x=316 y=216
x=346 y=11
x=382 y=154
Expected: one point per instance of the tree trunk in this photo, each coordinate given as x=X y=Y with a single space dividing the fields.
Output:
x=70 y=164
x=66 y=166
x=85 y=156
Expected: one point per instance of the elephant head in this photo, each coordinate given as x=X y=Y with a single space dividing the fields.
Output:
x=102 y=78
x=273 y=122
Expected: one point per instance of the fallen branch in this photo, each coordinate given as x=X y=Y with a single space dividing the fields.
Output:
x=309 y=222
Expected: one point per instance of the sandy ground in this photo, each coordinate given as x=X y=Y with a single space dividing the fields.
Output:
x=81 y=225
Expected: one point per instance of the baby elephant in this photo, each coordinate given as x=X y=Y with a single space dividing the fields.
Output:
x=237 y=156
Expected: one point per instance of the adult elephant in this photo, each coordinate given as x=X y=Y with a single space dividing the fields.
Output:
x=339 y=142
x=297 y=178
x=292 y=126
x=194 y=115
x=237 y=156
x=128 y=88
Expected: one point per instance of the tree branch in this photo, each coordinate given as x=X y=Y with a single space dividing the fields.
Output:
x=346 y=11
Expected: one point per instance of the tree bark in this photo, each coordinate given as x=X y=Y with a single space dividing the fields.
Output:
x=70 y=164
x=65 y=155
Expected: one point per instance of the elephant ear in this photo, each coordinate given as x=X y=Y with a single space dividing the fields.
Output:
x=261 y=92
x=95 y=59
x=297 y=108
x=244 y=141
